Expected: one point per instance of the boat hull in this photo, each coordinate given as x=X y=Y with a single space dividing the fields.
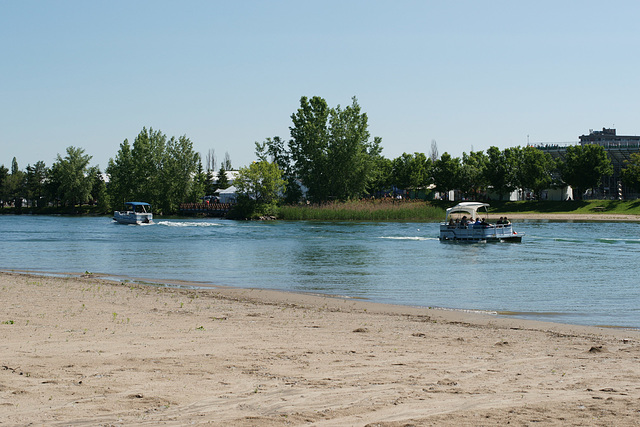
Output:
x=129 y=217
x=472 y=234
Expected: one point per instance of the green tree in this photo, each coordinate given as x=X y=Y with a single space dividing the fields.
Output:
x=121 y=172
x=200 y=184
x=14 y=185
x=223 y=180
x=330 y=150
x=99 y=190
x=259 y=187
x=156 y=170
x=501 y=170
x=411 y=171
x=472 y=179
x=631 y=173
x=148 y=155
x=584 y=166
x=535 y=172
x=177 y=170
x=4 y=176
x=274 y=150
x=35 y=183
x=73 y=176
x=446 y=173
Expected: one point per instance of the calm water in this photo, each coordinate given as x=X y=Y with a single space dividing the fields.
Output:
x=581 y=273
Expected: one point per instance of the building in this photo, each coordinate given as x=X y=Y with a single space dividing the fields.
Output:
x=619 y=149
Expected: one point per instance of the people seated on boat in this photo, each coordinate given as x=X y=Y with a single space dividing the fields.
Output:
x=451 y=223
x=500 y=221
x=505 y=221
x=463 y=222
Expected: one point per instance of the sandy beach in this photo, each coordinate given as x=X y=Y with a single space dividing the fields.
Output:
x=87 y=351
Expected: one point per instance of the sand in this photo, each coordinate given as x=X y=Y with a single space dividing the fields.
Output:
x=87 y=351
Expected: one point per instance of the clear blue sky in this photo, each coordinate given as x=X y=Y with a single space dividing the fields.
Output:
x=467 y=74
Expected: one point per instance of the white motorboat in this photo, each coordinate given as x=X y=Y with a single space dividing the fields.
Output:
x=467 y=222
x=136 y=213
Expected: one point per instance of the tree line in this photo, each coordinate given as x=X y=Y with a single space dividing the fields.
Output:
x=330 y=154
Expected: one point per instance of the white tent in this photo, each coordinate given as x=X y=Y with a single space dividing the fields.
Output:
x=228 y=195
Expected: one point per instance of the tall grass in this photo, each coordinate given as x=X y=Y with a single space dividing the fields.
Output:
x=365 y=210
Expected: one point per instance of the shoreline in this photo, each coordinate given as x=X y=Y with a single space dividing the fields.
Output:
x=88 y=351
x=279 y=296
x=602 y=217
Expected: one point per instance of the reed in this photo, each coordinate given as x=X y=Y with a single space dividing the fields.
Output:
x=363 y=210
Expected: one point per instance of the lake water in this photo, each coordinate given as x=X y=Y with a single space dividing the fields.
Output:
x=568 y=272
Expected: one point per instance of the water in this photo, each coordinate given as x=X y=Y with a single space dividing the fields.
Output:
x=569 y=272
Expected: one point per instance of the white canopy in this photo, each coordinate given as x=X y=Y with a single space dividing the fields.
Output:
x=467 y=208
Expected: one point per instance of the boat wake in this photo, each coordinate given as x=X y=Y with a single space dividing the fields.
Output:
x=417 y=238
x=188 y=224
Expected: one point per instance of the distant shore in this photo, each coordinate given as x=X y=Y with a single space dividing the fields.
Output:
x=568 y=217
x=87 y=351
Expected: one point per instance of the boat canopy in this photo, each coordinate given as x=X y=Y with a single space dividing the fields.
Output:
x=467 y=208
x=137 y=204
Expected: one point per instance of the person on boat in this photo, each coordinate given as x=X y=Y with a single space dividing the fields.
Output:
x=505 y=221
x=464 y=221
x=500 y=221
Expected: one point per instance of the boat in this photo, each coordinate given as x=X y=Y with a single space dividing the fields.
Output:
x=467 y=222
x=135 y=213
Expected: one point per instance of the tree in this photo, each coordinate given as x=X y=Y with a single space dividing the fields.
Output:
x=584 y=166
x=73 y=177
x=631 y=173
x=501 y=169
x=35 y=183
x=177 y=171
x=446 y=173
x=223 y=181
x=4 y=176
x=535 y=172
x=411 y=171
x=148 y=155
x=330 y=150
x=433 y=154
x=472 y=179
x=121 y=172
x=227 y=161
x=274 y=150
x=156 y=170
x=259 y=187
x=211 y=160
x=14 y=185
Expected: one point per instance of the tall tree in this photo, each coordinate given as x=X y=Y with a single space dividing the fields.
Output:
x=411 y=171
x=149 y=154
x=156 y=170
x=472 y=180
x=121 y=172
x=4 y=176
x=13 y=187
x=178 y=168
x=210 y=162
x=74 y=177
x=446 y=173
x=331 y=151
x=433 y=154
x=535 y=171
x=584 y=166
x=501 y=170
x=35 y=182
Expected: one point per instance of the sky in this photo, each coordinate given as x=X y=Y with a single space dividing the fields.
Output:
x=466 y=74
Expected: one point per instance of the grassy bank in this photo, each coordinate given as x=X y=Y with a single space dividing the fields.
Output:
x=370 y=210
x=583 y=207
